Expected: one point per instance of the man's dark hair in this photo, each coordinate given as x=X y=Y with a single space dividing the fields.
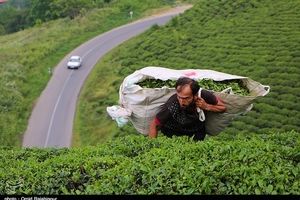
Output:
x=188 y=81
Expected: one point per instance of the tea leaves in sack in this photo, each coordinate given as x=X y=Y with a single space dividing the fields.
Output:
x=209 y=84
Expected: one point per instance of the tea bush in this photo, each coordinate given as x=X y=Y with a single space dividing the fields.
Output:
x=254 y=164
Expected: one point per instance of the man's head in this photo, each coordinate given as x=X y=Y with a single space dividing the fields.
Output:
x=186 y=89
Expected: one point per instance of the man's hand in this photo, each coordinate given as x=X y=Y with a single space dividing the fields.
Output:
x=201 y=103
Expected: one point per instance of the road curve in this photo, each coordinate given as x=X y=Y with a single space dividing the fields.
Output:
x=51 y=121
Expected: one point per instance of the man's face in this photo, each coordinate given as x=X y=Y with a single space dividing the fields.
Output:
x=184 y=95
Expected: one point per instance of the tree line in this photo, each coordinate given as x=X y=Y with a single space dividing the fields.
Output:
x=16 y=15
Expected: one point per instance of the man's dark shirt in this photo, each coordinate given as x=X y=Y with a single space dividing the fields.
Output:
x=174 y=120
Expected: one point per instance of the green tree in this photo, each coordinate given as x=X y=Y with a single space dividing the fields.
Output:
x=2 y=29
x=70 y=8
x=40 y=10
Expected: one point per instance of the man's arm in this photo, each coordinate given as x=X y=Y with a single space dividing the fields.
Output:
x=153 y=129
x=219 y=107
x=160 y=118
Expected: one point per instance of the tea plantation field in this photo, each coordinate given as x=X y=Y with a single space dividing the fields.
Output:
x=257 y=39
x=26 y=57
x=259 y=153
x=257 y=164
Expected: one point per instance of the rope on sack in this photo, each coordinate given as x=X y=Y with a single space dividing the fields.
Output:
x=199 y=110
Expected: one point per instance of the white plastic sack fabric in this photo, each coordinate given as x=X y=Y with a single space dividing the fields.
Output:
x=121 y=115
x=142 y=104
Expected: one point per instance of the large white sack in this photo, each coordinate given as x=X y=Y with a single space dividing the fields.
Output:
x=142 y=104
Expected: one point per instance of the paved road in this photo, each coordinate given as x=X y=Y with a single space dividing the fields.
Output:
x=51 y=121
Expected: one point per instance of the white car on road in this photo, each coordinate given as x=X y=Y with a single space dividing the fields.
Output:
x=74 y=62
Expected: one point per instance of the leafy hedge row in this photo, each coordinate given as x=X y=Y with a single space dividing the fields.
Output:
x=253 y=164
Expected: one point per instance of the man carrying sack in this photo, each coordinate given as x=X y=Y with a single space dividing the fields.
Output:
x=184 y=112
